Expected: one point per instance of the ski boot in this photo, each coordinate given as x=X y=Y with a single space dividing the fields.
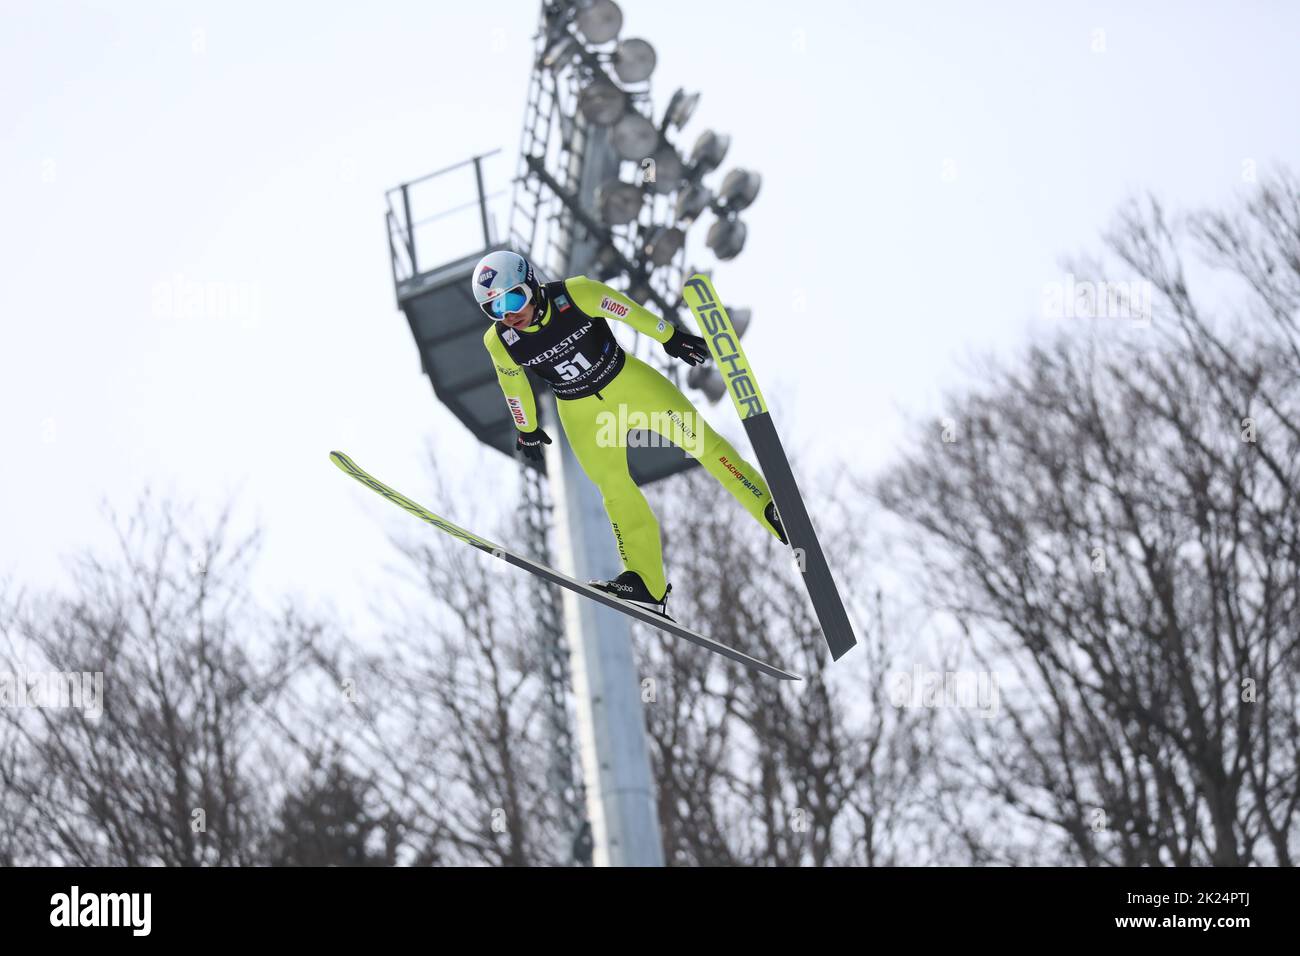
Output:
x=629 y=587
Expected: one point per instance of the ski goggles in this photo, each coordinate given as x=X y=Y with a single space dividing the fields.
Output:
x=510 y=301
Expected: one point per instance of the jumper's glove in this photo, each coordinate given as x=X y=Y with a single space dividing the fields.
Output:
x=689 y=348
x=530 y=443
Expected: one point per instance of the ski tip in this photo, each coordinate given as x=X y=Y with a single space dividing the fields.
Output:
x=771 y=670
x=694 y=284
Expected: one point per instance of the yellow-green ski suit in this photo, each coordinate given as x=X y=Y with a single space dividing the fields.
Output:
x=601 y=392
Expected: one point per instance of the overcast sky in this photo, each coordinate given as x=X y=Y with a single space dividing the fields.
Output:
x=925 y=167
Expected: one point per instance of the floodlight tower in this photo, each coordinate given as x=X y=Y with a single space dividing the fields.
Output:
x=601 y=190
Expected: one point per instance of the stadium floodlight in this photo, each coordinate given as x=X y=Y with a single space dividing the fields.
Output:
x=708 y=381
x=664 y=243
x=680 y=108
x=726 y=238
x=739 y=188
x=692 y=201
x=561 y=50
x=668 y=170
x=740 y=318
x=600 y=20
x=619 y=202
x=602 y=103
x=708 y=152
x=634 y=61
x=634 y=137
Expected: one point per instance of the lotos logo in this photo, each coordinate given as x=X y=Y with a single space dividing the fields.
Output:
x=613 y=307
x=517 y=411
x=487 y=275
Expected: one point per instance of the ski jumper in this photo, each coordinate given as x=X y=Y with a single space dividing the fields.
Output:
x=599 y=390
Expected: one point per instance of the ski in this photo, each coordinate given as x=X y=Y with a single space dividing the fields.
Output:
x=350 y=467
x=724 y=345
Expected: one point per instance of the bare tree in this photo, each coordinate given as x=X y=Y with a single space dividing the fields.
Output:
x=180 y=765
x=447 y=721
x=1118 y=524
x=758 y=772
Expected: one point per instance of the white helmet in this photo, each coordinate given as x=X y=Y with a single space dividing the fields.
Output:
x=504 y=282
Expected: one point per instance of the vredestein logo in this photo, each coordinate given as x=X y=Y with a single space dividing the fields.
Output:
x=562 y=346
x=726 y=351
